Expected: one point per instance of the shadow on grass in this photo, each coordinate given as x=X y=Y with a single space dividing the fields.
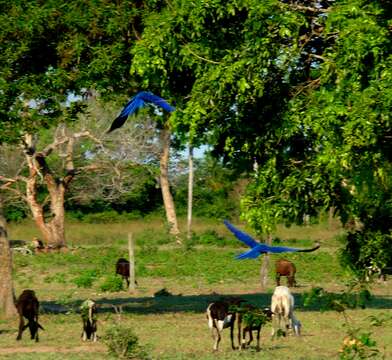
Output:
x=184 y=303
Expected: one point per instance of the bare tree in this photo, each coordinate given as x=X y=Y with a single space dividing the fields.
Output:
x=7 y=296
x=164 y=182
x=71 y=152
x=190 y=191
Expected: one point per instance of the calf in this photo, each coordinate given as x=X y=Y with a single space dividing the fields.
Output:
x=122 y=268
x=88 y=310
x=284 y=267
x=282 y=307
x=221 y=316
x=381 y=272
x=28 y=307
x=253 y=319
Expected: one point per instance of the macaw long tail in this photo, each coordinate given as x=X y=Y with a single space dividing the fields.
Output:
x=310 y=250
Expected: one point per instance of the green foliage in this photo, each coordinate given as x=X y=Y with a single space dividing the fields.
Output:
x=111 y=283
x=123 y=343
x=251 y=316
x=339 y=302
x=366 y=248
x=53 y=49
x=211 y=237
x=110 y=216
x=358 y=345
x=86 y=279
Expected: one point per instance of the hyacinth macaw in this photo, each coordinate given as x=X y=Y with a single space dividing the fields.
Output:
x=137 y=102
x=260 y=248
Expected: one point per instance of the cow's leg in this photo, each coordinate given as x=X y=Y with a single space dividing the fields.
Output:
x=277 y=279
x=36 y=323
x=243 y=340
x=239 y=321
x=21 y=327
x=232 y=334
x=250 y=336
x=258 y=338
x=215 y=335
x=217 y=338
x=84 y=334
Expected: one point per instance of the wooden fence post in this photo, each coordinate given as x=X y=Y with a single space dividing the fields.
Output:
x=131 y=251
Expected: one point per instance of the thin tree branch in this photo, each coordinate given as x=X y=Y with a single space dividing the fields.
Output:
x=200 y=57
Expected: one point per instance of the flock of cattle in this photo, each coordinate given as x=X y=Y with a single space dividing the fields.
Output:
x=220 y=314
x=225 y=313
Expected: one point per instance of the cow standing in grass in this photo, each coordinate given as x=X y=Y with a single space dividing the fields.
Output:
x=122 y=268
x=285 y=267
x=282 y=307
x=88 y=310
x=252 y=319
x=28 y=307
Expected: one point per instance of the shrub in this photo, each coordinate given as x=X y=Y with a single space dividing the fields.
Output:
x=86 y=279
x=211 y=237
x=111 y=216
x=112 y=283
x=123 y=343
x=357 y=345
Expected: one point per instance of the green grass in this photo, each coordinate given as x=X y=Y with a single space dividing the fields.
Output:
x=174 y=327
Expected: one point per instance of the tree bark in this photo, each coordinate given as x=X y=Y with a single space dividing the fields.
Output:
x=190 y=192
x=7 y=294
x=164 y=180
x=131 y=253
x=53 y=229
x=264 y=267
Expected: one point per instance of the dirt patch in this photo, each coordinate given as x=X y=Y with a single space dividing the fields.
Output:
x=54 y=349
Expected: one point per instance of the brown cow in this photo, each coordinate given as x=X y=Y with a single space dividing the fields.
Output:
x=28 y=307
x=285 y=267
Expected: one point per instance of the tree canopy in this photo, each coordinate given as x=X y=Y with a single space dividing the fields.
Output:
x=301 y=88
x=299 y=91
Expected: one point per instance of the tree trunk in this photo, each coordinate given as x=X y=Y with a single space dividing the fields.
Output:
x=164 y=179
x=190 y=193
x=264 y=267
x=131 y=253
x=53 y=230
x=7 y=294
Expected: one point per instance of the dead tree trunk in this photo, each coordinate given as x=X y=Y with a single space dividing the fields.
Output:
x=164 y=180
x=7 y=294
x=264 y=266
x=52 y=226
x=190 y=193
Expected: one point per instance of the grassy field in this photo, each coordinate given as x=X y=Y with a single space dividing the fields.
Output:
x=194 y=274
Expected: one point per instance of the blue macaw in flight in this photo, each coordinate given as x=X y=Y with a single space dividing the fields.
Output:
x=260 y=248
x=137 y=102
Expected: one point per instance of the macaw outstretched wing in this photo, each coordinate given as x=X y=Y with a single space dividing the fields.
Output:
x=242 y=236
x=137 y=102
x=259 y=248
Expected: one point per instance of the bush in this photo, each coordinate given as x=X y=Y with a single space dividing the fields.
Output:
x=112 y=283
x=86 y=279
x=211 y=237
x=111 y=216
x=123 y=343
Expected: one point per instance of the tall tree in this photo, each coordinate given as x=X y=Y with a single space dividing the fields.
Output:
x=7 y=295
x=303 y=87
x=53 y=161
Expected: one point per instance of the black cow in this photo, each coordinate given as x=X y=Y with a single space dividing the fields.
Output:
x=28 y=307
